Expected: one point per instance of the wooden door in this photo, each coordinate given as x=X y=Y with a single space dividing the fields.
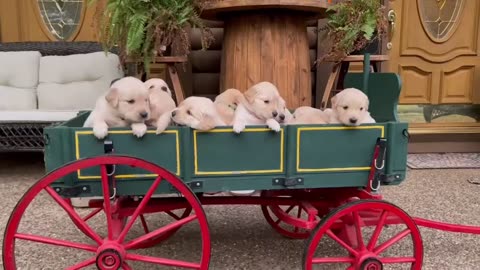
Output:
x=47 y=20
x=435 y=49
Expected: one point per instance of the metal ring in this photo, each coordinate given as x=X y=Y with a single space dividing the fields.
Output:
x=374 y=189
x=113 y=171
x=381 y=167
x=114 y=194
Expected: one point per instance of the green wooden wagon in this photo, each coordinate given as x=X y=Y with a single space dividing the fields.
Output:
x=313 y=181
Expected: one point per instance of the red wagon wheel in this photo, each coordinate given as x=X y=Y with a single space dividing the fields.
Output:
x=361 y=253
x=291 y=221
x=114 y=250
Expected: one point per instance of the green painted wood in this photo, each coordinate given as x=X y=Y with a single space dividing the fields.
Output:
x=336 y=148
x=254 y=151
x=225 y=154
x=383 y=93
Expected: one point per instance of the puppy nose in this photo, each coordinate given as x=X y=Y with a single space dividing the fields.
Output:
x=144 y=114
x=353 y=120
x=282 y=116
x=173 y=113
x=274 y=114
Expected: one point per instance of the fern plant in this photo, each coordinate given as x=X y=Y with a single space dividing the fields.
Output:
x=352 y=25
x=145 y=28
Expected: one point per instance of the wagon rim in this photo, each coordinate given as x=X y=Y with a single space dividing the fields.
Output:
x=364 y=255
x=113 y=251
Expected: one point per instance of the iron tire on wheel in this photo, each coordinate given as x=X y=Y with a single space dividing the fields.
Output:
x=366 y=255
x=113 y=249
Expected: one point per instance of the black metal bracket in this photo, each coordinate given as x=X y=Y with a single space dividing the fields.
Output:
x=387 y=179
x=287 y=182
x=72 y=191
x=192 y=185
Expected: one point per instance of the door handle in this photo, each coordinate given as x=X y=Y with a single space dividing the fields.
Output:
x=391 y=17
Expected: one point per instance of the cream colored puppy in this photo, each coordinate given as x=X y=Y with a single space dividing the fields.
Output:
x=195 y=112
x=349 y=107
x=226 y=104
x=125 y=104
x=161 y=100
x=308 y=115
x=261 y=105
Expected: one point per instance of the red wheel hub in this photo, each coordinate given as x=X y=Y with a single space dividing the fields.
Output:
x=109 y=259
x=371 y=264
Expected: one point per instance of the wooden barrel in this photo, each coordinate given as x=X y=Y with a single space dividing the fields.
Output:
x=267 y=45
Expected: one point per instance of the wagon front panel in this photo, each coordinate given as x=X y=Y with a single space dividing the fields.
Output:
x=222 y=160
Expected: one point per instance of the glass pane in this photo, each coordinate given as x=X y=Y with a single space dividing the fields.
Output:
x=440 y=16
x=439 y=113
x=62 y=17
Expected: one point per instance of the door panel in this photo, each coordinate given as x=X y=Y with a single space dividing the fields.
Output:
x=435 y=50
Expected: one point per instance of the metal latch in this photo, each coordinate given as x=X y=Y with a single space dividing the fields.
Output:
x=287 y=182
x=72 y=191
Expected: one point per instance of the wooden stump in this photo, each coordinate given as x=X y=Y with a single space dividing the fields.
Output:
x=268 y=46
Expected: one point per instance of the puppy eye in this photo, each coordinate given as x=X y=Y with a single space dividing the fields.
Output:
x=189 y=112
x=361 y=109
x=345 y=107
x=267 y=101
x=235 y=103
x=164 y=88
x=131 y=101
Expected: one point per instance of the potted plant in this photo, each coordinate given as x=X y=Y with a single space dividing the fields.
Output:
x=354 y=27
x=143 y=29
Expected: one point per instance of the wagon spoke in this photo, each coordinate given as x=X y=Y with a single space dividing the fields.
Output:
x=144 y=224
x=341 y=242
x=378 y=230
x=398 y=260
x=391 y=241
x=55 y=242
x=73 y=214
x=92 y=214
x=299 y=214
x=358 y=230
x=332 y=260
x=81 y=265
x=289 y=209
x=162 y=261
x=106 y=200
x=160 y=231
x=140 y=208
x=173 y=215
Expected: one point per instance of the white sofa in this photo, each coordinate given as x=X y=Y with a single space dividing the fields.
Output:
x=51 y=88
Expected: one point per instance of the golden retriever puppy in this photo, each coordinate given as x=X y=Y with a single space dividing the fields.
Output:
x=161 y=100
x=349 y=107
x=195 y=112
x=262 y=105
x=226 y=104
x=125 y=104
x=307 y=115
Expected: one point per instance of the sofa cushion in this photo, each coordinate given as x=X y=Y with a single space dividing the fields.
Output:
x=19 y=69
x=74 y=82
x=36 y=116
x=15 y=98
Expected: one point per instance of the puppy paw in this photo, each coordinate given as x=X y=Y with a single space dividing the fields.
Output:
x=238 y=127
x=273 y=125
x=139 y=129
x=100 y=130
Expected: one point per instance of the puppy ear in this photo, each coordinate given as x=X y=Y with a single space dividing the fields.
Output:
x=208 y=122
x=250 y=94
x=112 y=97
x=333 y=100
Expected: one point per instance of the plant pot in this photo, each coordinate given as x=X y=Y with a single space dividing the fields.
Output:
x=371 y=48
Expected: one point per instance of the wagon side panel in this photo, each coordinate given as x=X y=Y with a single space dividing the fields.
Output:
x=332 y=155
